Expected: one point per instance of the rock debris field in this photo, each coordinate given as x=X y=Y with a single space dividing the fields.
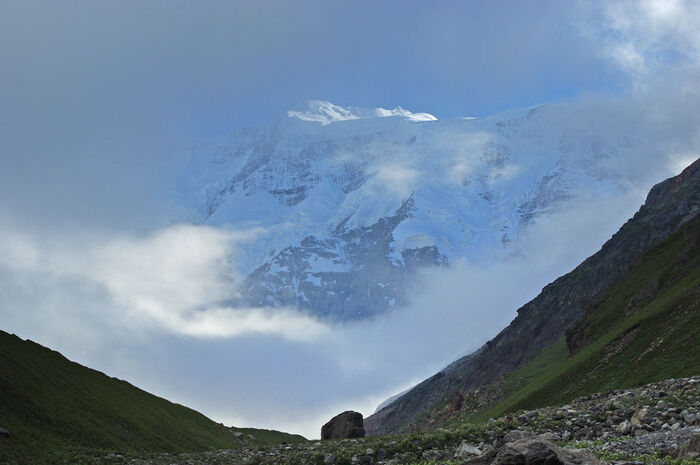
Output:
x=657 y=424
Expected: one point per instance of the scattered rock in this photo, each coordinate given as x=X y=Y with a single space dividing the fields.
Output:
x=666 y=443
x=591 y=419
x=466 y=450
x=518 y=435
x=529 y=416
x=549 y=437
x=348 y=424
x=4 y=433
x=625 y=427
x=691 y=449
x=639 y=416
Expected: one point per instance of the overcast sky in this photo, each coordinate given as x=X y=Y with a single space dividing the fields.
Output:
x=100 y=102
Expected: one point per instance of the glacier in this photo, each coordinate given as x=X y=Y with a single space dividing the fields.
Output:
x=355 y=203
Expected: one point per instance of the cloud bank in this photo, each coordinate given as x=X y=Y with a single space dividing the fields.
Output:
x=175 y=280
x=643 y=37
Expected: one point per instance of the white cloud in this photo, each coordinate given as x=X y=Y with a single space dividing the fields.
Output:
x=467 y=149
x=176 y=280
x=231 y=322
x=645 y=36
x=395 y=177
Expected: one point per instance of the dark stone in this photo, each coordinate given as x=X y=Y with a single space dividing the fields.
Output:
x=348 y=424
x=4 y=433
x=538 y=452
x=530 y=452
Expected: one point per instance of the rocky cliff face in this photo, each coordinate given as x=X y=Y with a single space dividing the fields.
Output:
x=545 y=319
x=352 y=202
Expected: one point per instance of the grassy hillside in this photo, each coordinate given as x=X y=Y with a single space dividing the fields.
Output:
x=50 y=405
x=266 y=437
x=644 y=328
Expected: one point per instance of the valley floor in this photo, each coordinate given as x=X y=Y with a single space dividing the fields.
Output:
x=657 y=423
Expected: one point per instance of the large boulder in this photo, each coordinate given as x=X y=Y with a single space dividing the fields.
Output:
x=539 y=452
x=348 y=424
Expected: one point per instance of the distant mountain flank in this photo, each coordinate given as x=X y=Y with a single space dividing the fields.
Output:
x=51 y=406
x=352 y=202
x=627 y=315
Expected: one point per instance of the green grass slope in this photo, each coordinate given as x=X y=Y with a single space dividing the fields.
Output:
x=50 y=404
x=268 y=437
x=643 y=329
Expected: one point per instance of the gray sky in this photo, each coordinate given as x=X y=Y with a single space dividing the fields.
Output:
x=99 y=103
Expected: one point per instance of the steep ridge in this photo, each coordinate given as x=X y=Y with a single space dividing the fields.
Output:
x=643 y=328
x=51 y=405
x=544 y=320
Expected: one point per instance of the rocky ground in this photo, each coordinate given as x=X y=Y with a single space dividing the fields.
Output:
x=656 y=424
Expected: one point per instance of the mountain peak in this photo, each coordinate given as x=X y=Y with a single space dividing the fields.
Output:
x=325 y=112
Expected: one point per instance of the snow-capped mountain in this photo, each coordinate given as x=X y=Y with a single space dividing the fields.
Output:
x=353 y=202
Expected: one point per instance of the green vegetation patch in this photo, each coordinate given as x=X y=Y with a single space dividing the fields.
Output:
x=641 y=330
x=51 y=405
